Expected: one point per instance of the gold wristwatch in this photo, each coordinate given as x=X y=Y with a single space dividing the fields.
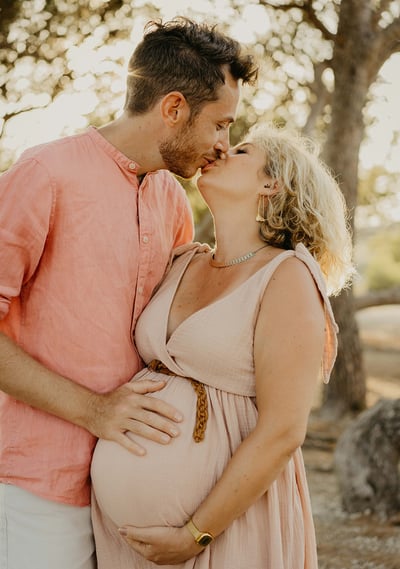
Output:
x=201 y=537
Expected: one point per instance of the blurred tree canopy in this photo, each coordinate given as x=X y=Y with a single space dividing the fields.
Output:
x=50 y=49
x=383 y=270
x=319 y=59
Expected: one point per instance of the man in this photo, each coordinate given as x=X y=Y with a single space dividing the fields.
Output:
x=87 y=224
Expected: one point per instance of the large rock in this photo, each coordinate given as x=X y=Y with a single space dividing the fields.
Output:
x=366 y=459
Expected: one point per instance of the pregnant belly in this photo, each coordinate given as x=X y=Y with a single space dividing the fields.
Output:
x=165 y=486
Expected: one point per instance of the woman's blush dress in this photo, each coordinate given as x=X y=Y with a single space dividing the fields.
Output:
x=165 y=487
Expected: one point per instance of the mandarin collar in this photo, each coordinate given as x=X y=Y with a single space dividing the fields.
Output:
x=125 y=162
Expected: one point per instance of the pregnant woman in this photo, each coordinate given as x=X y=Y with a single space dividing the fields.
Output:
x=240 y=334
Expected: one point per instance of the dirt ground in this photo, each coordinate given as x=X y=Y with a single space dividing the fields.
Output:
x=355 y=542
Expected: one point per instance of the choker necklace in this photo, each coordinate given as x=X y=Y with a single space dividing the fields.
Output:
x=234 y=261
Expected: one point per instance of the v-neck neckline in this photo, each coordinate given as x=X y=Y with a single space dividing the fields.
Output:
x=214 y=302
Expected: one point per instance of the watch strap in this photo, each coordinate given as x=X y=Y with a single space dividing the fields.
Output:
x=200 y=537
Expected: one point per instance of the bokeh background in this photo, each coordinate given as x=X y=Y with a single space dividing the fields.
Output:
x=330 y=68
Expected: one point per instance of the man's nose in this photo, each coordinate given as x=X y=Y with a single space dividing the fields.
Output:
x=222 y=144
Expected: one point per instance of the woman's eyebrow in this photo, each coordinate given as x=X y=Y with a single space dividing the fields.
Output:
x=241 y=144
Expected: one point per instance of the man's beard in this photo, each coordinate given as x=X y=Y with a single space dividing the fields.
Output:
x=179 y=154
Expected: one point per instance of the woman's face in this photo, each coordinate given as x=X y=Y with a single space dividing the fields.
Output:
x=241 y=173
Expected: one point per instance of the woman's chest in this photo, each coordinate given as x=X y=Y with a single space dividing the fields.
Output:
x=196 y=291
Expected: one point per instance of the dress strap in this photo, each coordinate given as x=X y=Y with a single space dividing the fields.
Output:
x=331 y=328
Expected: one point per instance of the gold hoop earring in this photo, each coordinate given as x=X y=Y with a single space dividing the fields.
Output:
x=261 y=208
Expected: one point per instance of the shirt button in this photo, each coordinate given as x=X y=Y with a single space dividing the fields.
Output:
x=132 y=166
x=145 y=239
x=140 y=290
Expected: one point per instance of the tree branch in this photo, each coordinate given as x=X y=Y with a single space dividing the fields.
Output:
x=321 y=98
x=309 y=15
x=379 y=298
x=386 y=42
x=7 y=116
x=390 y=40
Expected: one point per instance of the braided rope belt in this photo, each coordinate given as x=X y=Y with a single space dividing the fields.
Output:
x=202 y=402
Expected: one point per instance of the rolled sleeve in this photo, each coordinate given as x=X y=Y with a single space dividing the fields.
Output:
x=27 y=199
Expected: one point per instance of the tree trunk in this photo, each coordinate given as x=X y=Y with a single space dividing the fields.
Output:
x=353 y=76
x=347 y=389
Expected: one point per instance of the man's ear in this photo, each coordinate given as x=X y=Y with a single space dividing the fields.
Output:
x=174 y=108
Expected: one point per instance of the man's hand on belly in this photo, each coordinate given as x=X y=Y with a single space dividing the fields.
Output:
x=128 y=411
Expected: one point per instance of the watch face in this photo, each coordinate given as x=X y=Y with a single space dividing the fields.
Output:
x=205 y=539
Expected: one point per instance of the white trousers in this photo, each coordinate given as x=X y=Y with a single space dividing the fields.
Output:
x=39 y=534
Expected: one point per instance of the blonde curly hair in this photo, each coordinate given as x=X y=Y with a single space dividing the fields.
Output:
x=308 y=207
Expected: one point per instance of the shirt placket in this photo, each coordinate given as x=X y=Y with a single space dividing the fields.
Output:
x=144 y=257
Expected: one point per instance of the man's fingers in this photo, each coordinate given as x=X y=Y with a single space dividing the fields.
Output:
x=153 y=404
x=130 y=445
x=135 y=410
x=152 y=427
x=146 y=386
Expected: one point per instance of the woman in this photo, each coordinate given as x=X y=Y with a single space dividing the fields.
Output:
x=243 y=331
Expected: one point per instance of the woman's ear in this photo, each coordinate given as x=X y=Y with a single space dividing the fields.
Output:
x=174 y=108
x=270 y=188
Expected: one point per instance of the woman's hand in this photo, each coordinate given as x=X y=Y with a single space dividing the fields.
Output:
x=162 y=545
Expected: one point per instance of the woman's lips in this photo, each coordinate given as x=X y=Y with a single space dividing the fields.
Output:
x=208 y=166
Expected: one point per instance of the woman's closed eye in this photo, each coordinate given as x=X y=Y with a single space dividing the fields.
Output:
x=244 y=148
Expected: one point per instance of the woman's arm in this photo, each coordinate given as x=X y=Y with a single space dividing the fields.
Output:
x=288 y=349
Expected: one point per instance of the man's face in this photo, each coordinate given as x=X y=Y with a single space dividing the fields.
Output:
x=200 y=142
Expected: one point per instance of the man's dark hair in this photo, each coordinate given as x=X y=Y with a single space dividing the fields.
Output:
x=185 y=56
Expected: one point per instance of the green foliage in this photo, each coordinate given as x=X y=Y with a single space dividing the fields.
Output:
x=377 y=196
x=383 y=268
x=376 y=184
x=196 y=201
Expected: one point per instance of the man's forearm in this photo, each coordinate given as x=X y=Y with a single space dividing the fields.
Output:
x=25 y=379
x=111 y=415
